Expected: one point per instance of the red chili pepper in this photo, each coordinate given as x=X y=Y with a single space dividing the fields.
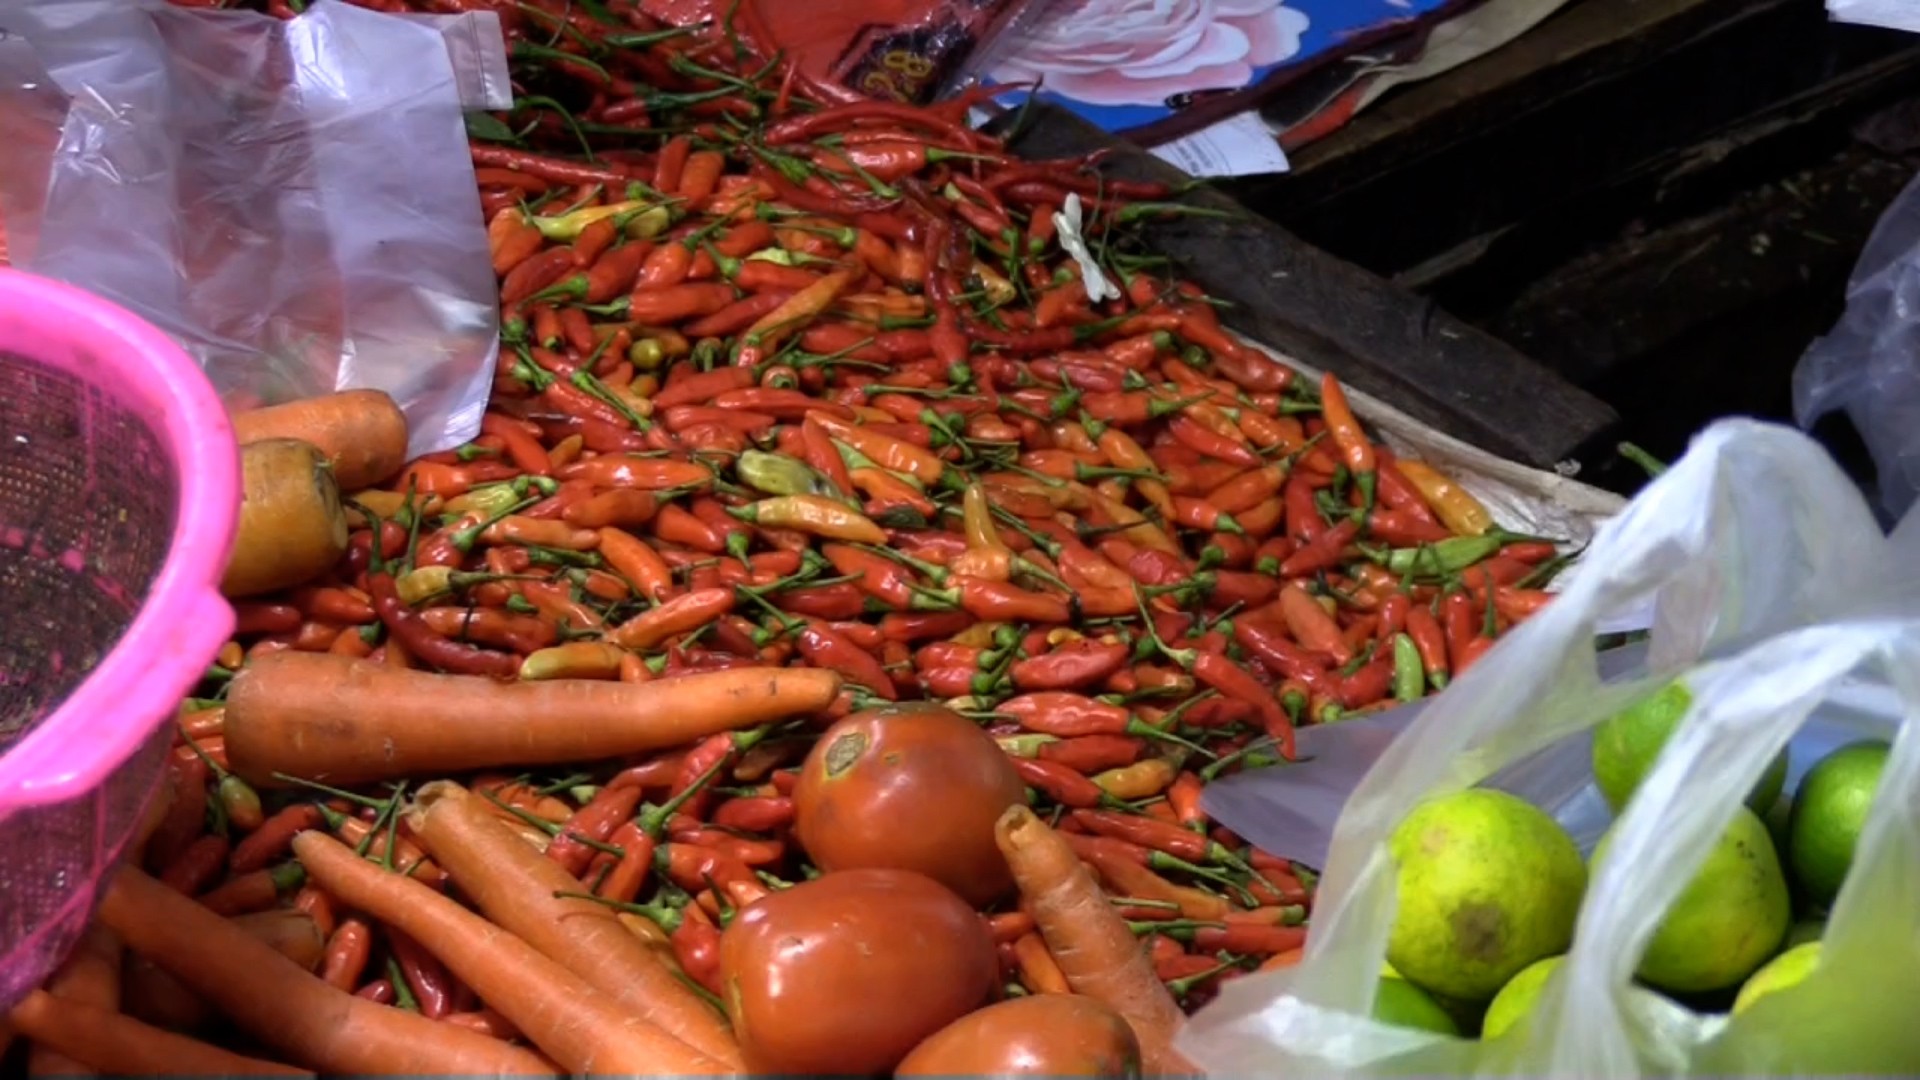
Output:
x=1369 y=684
x=1428 y=638
x=1247 y=590
x=824 y=647
x=271 y=842
x=1183 y=795
x=1324 y=552
x=1396 y=491
x=1070 y=666
x=1181 y=843
x=1304 y=523
x=910 y=627
x=426 y=976
x=1058 y=782
x=591 y=824
x=1262 y=636
x=197 y=867
x=760 y=814
x=833 y=603
x=411 y=630
x=1231 y=679
x=1066 y=715
x=999 y=601
x=1090 y=754
x=348 y=949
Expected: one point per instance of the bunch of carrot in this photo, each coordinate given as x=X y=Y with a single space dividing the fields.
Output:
x=800 y=408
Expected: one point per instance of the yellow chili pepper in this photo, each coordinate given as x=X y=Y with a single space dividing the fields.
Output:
x=987 y=556
x=1139 y=530
x=763 y=338
x=814 y=514
x=1140 y=780
x=1456 y=508
x=1124 y=453
x=422 y=584
x=486 y=501
x=574 y=660
x=637 y=217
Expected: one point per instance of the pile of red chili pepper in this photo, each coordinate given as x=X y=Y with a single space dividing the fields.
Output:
x=786 y=383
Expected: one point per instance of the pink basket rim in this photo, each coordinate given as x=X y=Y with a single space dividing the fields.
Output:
x=183 y=621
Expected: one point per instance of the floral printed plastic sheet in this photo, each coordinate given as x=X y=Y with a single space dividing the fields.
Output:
x=1160 y=69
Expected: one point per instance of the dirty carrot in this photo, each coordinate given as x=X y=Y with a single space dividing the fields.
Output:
x=1093 y=946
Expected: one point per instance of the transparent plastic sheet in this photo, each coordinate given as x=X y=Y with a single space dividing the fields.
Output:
x=293 y=202
x=1775 y=593
x=1869 y=365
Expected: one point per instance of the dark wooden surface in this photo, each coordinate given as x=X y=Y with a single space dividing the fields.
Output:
x=1660 y=200
x=1338 y=317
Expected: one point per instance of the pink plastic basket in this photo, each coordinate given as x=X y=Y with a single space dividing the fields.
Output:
x=118 y=497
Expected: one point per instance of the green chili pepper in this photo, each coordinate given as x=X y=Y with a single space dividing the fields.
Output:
x=1409 y=675
x=779 y=474
x=1449 y=556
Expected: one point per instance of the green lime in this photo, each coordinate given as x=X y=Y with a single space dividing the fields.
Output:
x=1829 y=811
x=1488 y=883
x=1403 y=1004
x=1728 y=920
x=1626 y=745
x=1516 y=999
x=1779 y=973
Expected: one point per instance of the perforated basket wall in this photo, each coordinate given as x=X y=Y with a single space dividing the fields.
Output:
x=88 y=498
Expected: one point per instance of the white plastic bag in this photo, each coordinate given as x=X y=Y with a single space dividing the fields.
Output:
x=1773 y=589
x=1868 y=365
x=292 y=201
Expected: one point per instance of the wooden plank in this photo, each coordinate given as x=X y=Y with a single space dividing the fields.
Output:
x=1546 y=149
x=1340 y=318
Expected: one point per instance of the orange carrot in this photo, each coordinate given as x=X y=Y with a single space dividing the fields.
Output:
x=1093 y=945
x=551 y=1006
x=325 y=717
x=152 y=995
x=514 y=886
x=362 y=433
x=106 y=1041
x=292 y=525
x=90 y=977
x=277 y=1002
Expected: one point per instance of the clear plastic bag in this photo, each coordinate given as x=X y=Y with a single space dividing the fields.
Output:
x=292 y=201
x=1774 y=592
x=1869 y=364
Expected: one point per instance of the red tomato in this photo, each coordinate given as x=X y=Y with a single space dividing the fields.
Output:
x=847 y=973
x=1043 y=1035
x=909 y=788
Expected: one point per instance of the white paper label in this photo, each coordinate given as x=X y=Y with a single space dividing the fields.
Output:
x=1240 y=145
